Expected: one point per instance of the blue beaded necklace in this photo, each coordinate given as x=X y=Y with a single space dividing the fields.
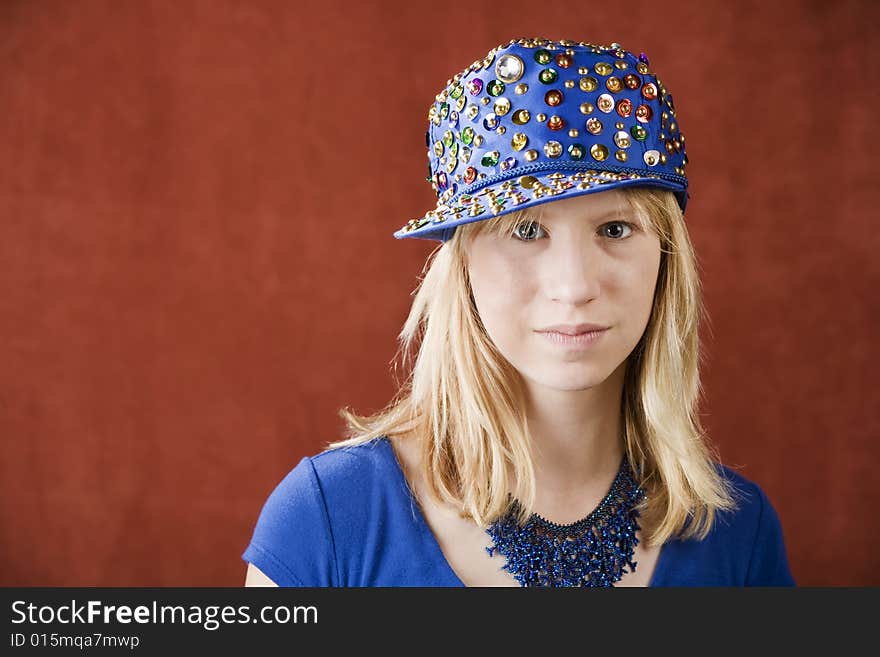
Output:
x=593 y=551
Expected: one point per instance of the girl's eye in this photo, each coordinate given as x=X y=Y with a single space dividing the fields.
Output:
x=527 y=231
x=528 y=234
x=616 y=232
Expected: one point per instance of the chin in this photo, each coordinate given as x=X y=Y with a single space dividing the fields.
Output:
x=572 y=381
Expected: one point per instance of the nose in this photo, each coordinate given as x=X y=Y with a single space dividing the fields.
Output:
x=574 y=270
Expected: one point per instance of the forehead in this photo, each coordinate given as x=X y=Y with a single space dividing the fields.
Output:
x=595 y=204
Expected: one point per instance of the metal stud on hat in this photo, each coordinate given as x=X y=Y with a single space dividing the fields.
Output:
x=537 y=120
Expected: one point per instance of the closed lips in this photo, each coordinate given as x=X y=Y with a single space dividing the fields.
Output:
x=573 y=329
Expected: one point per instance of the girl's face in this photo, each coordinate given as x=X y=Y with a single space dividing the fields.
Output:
x=585 y=260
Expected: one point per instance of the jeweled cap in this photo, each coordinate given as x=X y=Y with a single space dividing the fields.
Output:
x=537 y=120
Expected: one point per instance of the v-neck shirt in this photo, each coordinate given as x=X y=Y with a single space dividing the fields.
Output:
x=347 y=517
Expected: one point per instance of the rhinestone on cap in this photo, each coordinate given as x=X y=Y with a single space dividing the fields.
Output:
x=509 y=68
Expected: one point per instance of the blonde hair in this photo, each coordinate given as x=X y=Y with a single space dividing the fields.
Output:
x=464 y=401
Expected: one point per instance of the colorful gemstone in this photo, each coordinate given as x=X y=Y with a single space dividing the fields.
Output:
x=564 y=60
x=490 y=159
x=442 y=181
x=548 y=75
x=450 y=166
x=501 y=106
x=649 y=91
x=588 y=83
x=465 y=155
x=508 y=163
x=521 y=116
x=495 y=88
x=438 y=148
x=632 y=81
x=453 y=118
x=472 y=111
x=577 y=151
x=543 y=56
x=552 y=149
x=613 y=84
x=594 y=126
x=644 y=113
x=622 y=140
x=605 y=103
x=519 y=141
x=453 y=150
x=599 y=152
x=624 y=107
x=475 y=86
x=490 y=121
x=652 y=157
x=470 y=174
x=642 y=68
x=444 y=110
x=509 y=68
x=553 y=97
x=448 y=138
x=467 y=135
x=457 y=90
x=638 y=133
x=556 y=122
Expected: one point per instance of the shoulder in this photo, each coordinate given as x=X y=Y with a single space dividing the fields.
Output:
x=753 y=532
x=301 y=528
x=354 y=466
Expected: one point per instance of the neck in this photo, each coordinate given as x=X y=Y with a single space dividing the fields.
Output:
x=578 y=445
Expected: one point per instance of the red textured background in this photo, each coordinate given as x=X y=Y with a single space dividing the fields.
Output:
x=197 y=268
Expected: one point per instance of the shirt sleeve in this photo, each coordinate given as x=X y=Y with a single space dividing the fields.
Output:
x=768 y=565
x=292 y=542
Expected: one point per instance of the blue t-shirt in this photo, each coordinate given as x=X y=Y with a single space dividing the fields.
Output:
x=346 y=517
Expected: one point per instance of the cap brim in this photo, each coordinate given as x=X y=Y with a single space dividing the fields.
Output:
x=510 y=195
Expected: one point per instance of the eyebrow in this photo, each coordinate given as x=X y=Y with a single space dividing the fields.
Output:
x=609 y=213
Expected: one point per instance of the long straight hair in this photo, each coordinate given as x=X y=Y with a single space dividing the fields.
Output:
x=464 y=402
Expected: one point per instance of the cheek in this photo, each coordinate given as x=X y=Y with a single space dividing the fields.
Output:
x=502 y=293
x=639 y=287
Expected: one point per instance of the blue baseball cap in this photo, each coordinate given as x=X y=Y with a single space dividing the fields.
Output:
x=538 y=120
